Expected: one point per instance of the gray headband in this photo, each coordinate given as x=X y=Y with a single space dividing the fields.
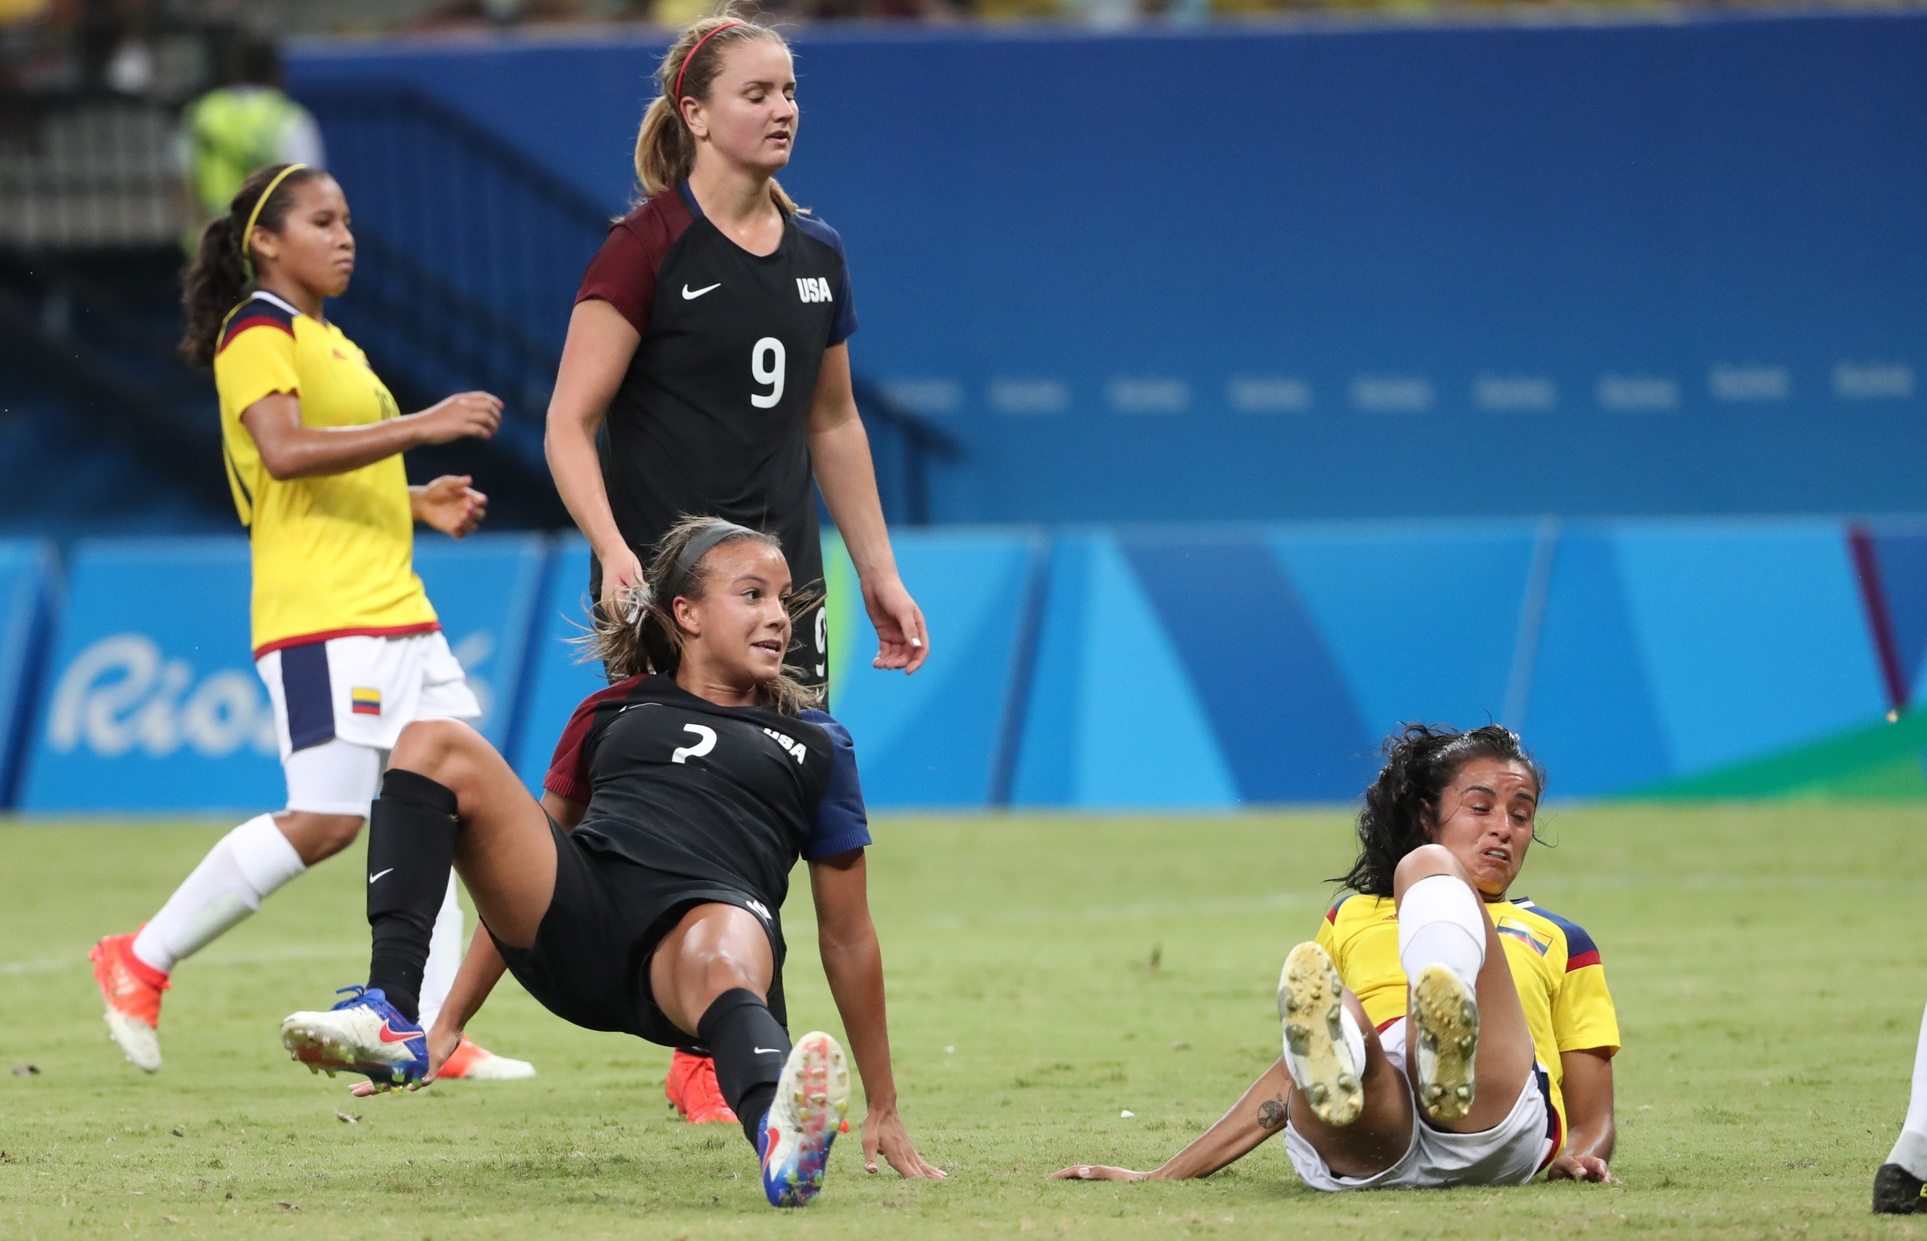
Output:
x=718 y=531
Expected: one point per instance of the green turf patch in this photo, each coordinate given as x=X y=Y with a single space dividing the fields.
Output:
x=1880 y=761
x=1767 y=963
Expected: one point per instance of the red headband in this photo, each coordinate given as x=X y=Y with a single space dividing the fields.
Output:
x=692 y=55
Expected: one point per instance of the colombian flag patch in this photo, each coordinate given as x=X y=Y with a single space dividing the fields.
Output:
x=365 y=701
x=1519 y=931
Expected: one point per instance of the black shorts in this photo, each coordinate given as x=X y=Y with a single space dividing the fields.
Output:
x=590 y=960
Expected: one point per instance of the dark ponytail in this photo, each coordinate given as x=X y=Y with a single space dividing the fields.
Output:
x=218 y=277
x=1400 y=807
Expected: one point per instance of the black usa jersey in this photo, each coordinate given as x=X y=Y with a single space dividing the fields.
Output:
x=711 y=417
x=733 y=795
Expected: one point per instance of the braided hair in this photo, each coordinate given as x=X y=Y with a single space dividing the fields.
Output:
x=1401 y=807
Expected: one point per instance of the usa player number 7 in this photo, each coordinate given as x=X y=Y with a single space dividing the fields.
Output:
x=705 y=742
x=766 y=367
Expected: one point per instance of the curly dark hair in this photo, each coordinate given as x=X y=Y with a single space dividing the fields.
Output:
x=1420 y=761
x=216 y=278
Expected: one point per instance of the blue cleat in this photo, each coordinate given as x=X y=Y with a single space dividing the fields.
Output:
x=812 y=1098
x=362 y=1034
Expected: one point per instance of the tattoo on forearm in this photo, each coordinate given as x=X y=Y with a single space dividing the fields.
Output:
x=1271 y=1114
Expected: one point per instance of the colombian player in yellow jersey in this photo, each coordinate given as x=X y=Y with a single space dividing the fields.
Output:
x=1437 y=1031
x=344 y=635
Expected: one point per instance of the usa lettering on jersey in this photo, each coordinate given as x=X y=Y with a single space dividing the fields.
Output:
x=814 y=289
x=791 y=746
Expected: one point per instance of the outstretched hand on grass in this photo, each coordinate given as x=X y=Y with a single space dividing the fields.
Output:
x=883 y=1133
x=1571 y=1167
x=1097 y=1172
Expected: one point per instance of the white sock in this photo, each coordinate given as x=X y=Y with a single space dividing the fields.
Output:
x=230 y=883
x=1911 y=1151
x=446 y=947
x=1439 y=923
x=1354 y=1039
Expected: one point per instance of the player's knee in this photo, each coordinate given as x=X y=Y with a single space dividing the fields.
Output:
x=433 y=748
x=316 y=837
x=1424 y=862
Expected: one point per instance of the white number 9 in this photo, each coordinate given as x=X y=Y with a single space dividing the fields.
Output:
x=822 y=640
x=705 y=742
x=768 y=371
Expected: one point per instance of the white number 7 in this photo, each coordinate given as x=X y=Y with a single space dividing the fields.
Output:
x=705 y=742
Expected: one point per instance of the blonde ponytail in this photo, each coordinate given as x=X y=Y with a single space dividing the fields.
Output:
x=665 y=149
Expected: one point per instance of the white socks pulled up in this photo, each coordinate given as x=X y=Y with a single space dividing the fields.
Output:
x=1439 y=923
x=1910 y=1152
x=230 y=883
x=446 y=947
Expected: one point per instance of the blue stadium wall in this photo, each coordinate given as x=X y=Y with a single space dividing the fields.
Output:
x=1667 y=268
x=1094 y=667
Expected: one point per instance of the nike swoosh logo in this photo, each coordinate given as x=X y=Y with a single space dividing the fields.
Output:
x=372 y=878
x=688 y=296
x=767 y=1051
x=397 y=1036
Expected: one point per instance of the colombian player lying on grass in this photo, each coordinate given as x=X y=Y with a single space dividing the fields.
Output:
x=657 y=914
x=1505 y=1002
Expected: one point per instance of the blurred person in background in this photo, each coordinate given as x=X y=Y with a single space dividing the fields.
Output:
x=709 y=341
x=343 y=633
x=247 y=123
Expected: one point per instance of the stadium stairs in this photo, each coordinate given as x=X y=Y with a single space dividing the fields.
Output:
x=469 y=255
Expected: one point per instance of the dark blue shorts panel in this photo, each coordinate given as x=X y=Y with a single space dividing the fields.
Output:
x=309 y=694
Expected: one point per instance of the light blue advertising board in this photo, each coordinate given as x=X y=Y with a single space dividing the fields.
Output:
x=151 y=701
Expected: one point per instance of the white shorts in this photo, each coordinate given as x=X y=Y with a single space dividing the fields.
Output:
x=1510 y=1153
x=340 y=706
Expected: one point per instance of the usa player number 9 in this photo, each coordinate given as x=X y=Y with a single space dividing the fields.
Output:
x=766 y=367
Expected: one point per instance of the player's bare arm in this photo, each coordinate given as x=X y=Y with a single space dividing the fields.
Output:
x=291 y=449
x=595 y=357
x=853 y=964
x=1589 y=1110
x=840 y=449
x=1258 y=1114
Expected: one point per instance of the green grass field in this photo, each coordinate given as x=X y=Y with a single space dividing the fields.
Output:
x=1769 y=961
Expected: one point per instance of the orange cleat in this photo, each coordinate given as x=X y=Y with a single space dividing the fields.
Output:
x=470 y=1062
x=131 y=989
x=693 y=1090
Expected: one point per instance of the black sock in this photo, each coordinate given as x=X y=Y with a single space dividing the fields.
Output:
x=750 y=1048
x=411 y=849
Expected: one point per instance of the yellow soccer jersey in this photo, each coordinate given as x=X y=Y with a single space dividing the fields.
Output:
x=1555 y=966
x=333 y=554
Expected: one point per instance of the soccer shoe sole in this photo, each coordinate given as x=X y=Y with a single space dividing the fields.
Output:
x=814 y=1095
x=1445 y=1020
x=1896 y=1191
x=1311 y=1005
x=138 y=1041
x=323 y=1051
